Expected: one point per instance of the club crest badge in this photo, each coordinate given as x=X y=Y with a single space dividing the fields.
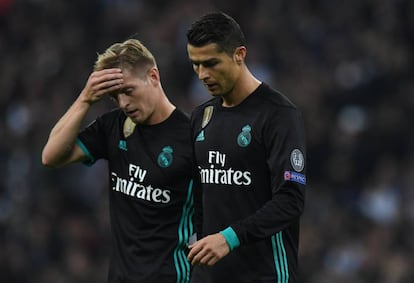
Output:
x=165 y=158
x=208 y=113
x=129 y=127
x=297 y=160
x=245 y=137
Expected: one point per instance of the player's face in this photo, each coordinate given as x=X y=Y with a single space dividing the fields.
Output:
x=138 y=97
x=217 y=70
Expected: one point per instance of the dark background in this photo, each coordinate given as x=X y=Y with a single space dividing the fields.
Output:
x=348 y=65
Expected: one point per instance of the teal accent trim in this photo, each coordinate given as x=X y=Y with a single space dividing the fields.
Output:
x=91 y=160
x=282 y=252
x=185 y=230
x=279 y=255
x=276 y=259
x=231 y=238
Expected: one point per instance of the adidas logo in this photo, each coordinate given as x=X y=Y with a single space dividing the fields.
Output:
x=122 y=145
x=200 y=136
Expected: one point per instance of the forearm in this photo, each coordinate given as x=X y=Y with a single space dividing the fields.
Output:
x=276 y=215
x=60 y=148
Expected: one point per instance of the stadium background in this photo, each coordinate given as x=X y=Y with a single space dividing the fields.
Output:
x=347 y=64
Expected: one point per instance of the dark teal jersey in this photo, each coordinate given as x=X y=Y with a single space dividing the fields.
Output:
x=251 y=160
x=150 y=195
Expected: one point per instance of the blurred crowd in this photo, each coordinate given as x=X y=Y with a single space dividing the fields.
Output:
x=347 y=64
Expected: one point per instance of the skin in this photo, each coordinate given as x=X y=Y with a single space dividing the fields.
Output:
x=140 y=97
x=142 y=100
x=223 y=75
x=226 y=76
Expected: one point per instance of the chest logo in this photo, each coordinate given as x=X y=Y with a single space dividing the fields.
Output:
x=200 y=136
x=123 y=145
x=129 y=127
x=208 y=113
x=165 y=158
x=245 y=137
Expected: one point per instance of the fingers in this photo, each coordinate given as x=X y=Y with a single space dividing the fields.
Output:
x=193 y=254
x=106 y=79
x=208 y=251
x=203 y=256
x=102 y=82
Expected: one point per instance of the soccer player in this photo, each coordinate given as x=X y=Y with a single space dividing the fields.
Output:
x=249 y=148
x=146 y=141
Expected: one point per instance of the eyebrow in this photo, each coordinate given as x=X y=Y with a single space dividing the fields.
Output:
x=203 y=62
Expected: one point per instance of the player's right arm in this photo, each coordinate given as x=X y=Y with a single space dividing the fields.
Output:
x=61 y=148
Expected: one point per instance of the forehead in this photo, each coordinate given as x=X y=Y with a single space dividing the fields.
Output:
x=205 y=52
x=130 y=74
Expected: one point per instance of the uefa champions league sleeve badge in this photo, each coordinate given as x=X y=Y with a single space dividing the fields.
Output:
x=297 y=160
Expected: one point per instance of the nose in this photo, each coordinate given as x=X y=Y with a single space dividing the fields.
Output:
x=202 y=73
x=123 y=101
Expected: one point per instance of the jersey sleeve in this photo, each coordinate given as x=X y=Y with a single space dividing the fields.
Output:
x=93 y=142
x=284 y=140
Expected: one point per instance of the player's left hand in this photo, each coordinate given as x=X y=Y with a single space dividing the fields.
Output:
x=208 y=250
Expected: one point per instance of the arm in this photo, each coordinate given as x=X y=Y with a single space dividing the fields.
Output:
x=61 y=148
x=284 y=139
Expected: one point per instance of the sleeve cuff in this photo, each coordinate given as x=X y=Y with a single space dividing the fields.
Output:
x=231 y=238
x=90 y=161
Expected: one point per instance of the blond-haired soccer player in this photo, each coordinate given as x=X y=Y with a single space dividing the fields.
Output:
x=146 y=142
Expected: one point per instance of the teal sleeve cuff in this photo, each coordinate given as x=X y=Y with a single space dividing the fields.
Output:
x=90 y=161
x=231 y=238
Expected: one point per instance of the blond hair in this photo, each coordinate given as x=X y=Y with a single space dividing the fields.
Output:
x=130 y=54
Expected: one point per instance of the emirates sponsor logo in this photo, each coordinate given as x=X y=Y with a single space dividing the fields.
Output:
x=223 y=176
x=133 y=186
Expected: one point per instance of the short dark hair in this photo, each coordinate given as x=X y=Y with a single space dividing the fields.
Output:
x=219 y=28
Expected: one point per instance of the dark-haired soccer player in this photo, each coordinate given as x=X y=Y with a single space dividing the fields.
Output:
x=250 y=151
x=146 y=141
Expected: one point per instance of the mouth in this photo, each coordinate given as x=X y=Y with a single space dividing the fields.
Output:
x=210 y=86
x=131 y=113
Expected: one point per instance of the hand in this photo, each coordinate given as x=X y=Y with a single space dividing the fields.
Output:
x=102 y=83
x=208 y=250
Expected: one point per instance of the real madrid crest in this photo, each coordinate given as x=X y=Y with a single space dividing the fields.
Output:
x=129 y=127
x=208 y=113
x=245 y=137
x=165 y=158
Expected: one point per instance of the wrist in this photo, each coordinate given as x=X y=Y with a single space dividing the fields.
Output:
x=83 y=103
x=231 y=238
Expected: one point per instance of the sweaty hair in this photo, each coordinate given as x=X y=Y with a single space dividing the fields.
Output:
x=218 y=28
x=130 y=54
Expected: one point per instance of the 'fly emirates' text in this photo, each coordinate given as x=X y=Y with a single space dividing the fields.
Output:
x=133 y=186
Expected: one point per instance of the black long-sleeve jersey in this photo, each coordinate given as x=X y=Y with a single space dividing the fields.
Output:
x=251 y=160
x=150 y=195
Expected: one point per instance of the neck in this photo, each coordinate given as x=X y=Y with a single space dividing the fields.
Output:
x=244 y=86
x=163 y=110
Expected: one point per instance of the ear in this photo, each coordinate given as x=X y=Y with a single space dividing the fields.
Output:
x=239 y=54
x=154 y=76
